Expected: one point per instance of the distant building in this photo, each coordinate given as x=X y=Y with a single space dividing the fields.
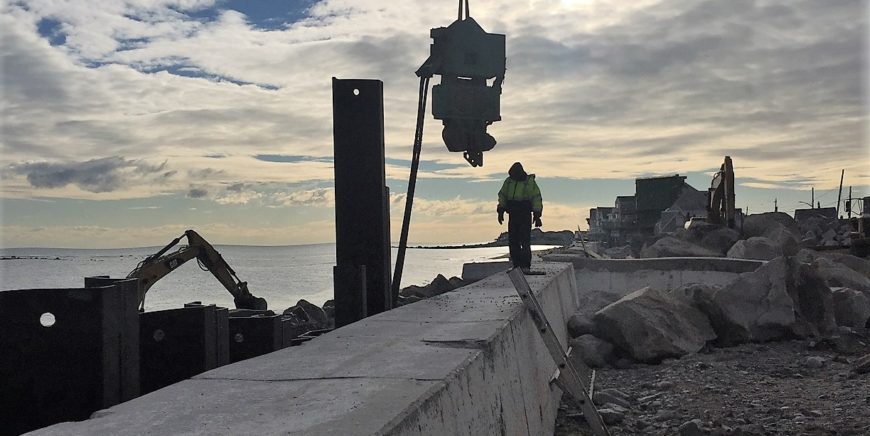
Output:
x=691 y=203
x=660 y=204
x=655 y=194
x=828 y=213
x=600 y=223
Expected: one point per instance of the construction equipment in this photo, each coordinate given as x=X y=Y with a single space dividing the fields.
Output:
x=860 y=234
x=158 y=265
x=466 y=57
x=720 y=197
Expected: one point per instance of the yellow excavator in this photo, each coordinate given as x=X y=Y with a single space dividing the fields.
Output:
x=158 y=265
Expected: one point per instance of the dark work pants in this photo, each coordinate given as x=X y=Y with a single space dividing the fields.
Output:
x=519 y=238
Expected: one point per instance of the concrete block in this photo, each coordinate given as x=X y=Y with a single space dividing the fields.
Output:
x=620 y=277
x=475 y=271
x=64 y=353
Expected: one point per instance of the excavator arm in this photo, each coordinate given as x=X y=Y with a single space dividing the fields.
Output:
x=720 y=197
x=159 y=264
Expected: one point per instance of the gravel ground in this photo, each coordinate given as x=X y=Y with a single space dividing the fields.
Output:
x=799 y=387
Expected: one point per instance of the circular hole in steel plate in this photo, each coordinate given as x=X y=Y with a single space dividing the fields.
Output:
x=158 y=335
x=47 y=319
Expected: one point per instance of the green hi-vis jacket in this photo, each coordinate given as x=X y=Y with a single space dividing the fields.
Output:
x=525 y=193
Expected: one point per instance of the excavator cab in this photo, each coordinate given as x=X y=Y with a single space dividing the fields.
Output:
x=158 y=265
x=471 y=63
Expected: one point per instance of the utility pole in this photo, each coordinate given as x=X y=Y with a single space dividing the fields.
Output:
x=812 y=196
x=840 y=192
x=775 y=206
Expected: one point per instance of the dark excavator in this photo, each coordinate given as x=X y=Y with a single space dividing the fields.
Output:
x=158 y=265
x=720 y=197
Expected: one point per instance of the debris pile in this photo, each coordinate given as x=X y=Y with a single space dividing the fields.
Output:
x=820 y=231
x=785 y=298
x=764 y=237
x=779 y=350
x=776 y=388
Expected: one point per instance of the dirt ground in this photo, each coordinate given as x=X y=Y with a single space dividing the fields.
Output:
x=799 y=387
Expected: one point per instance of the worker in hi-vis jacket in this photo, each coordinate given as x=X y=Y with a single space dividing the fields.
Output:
x=520 y=197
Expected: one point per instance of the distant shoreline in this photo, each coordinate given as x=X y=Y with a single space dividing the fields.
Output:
x=457 y=247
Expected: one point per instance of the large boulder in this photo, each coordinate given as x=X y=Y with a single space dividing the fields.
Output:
x=651 y=325
x=756 y=247
x=594 y=352
x=673 y=247
x=813 y=301
x=592 y=301
x=580 y=324
x=862 y=266
x=851 y=307
x=309 y=314
x=784 y=238
x=720 y=240
x=760 y=224
x=753 y=308
x=838 y=275
x=806 y=255
x=618 y=252
x=438 y=286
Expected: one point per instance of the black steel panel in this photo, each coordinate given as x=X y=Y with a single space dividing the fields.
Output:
x=177 y=344
x=361 y=199
x=129 y=332
x=64 y=371
x=254 y=336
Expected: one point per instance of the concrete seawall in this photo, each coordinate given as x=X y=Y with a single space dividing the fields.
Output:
x=619 y=277
x=600 y=281
x=466 y=362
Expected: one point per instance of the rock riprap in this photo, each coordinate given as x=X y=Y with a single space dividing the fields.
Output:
x=651 y=325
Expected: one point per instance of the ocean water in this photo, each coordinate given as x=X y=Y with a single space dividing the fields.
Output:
x=281 y=275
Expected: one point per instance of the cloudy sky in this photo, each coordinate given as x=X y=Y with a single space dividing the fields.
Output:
x=126 y=122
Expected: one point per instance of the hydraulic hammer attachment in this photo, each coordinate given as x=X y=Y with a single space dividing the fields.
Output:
x=466 y=57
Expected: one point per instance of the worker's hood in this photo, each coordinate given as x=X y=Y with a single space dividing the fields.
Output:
x=517 y=172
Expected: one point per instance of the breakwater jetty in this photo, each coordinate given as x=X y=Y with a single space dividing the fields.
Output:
x=464 y=362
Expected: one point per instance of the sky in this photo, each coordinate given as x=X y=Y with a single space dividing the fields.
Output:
x=125 y=122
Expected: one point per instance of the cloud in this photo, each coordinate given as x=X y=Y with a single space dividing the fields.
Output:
x=95 y=175
x=594 y=90
x=457 y=206
x=637 y=88
x=279 y=158
x=197 y=193
x=320 y=197
x=237 y=193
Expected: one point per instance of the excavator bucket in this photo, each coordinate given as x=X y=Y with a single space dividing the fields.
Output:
x=250 y=302
x=471 y=63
